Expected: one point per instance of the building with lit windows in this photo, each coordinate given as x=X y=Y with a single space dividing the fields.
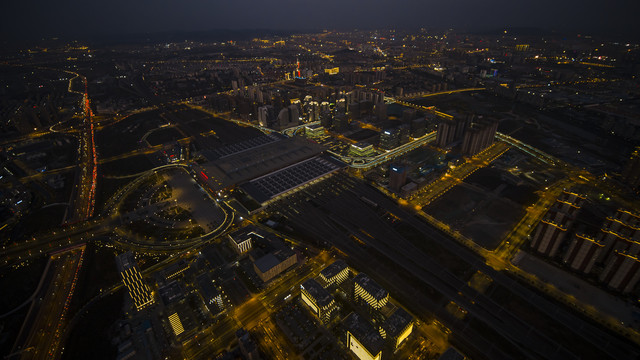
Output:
x=622 y=272
x=242 y=240
x=362 y=338
x=321 y=303
x=621 y=233
x=397 y=327
x=314 y=131
x=389 y=138
x=583 y=252
x=209 y=292
x=335 y=274
x=139 y=291
x=369 y=292
x=361 y=149
x=552 y=229
x=176 y=324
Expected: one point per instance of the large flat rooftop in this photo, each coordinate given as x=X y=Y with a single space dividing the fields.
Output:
x=267 y=187
x=254 y=161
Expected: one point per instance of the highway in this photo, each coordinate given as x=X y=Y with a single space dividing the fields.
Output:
x=46 y=328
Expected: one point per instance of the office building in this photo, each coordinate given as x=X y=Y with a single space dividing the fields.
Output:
x=389 y=138
x=368 y=291
x=209 y=292
x=622 y=272
x=397 y=327
x=397 y=177
x=362 y=338
x=335 y=274
x=139 y=291
x=321 y=303
x=314 y=131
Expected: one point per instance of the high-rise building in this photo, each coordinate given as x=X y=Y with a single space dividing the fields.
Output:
x=552 y=229
x=583 y=252
x=397 y=177
x=621 y=233
x=209 y=292
x=389 y=138
x=622 y=272
x=479 y=136
x=418 y=127
x=446 y=132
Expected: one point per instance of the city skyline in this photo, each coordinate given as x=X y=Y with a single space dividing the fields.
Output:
x=86 y=20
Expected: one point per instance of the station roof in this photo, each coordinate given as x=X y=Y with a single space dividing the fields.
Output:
x=275 y=183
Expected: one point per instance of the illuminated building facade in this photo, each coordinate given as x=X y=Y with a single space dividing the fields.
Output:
x=368 y=291
x=321 y=303
x=362 y=338
x=335 y=274
x=397 y=177
x=139 y=291
x=397 y=327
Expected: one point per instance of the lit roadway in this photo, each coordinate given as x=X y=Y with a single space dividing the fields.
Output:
x=456 y=175
x=255 y=313
x=47 y=327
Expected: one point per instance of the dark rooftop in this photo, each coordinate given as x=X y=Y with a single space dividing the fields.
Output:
x=256 y=161
x=319 y=294
x=370 y=286
x=397 y=322
x=273 y=184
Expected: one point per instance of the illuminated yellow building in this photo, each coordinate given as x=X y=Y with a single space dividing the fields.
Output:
x=362 y=338
x=397 y=327
x=369 y=291
x=321 y=303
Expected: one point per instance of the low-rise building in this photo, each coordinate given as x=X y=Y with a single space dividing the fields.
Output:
x=272 y=264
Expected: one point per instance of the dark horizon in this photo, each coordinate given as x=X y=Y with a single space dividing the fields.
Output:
x=37 y=19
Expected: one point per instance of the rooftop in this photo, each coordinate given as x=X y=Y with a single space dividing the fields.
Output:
x=319 y=294
x=334 y=269
x=364 y=332
x=370 y=286
x=273 y=184
x=397 y=322
x=222 y=172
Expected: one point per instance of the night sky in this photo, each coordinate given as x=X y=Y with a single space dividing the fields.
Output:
x=47 y=18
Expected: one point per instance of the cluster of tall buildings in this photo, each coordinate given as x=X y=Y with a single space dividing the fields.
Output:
x=375 y=328
x=475 y=133
x=611 y=253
